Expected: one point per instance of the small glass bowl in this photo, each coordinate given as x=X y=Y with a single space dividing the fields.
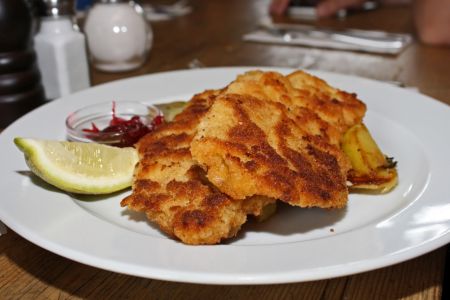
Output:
x=80 y=123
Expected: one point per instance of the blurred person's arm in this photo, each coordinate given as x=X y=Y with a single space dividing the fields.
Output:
x=326 y=8
x=431 y=17
x=278 y=7
x=432 y=20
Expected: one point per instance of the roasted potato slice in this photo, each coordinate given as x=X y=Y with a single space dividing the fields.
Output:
x=171 y=109
x=371 y=169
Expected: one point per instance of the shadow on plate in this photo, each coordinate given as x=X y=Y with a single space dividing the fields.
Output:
x=94 y=198
x=36 y=180
x=290 y=220
x=138 y=217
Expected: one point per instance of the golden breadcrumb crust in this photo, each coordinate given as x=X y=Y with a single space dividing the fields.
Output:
x=174 y=193
x=233 y=151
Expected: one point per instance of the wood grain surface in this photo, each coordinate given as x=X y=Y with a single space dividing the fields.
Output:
x=212 y=35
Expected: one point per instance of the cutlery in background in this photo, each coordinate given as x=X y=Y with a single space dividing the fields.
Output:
x=350 y=39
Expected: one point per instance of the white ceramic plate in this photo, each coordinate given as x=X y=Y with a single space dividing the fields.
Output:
x=295 y=245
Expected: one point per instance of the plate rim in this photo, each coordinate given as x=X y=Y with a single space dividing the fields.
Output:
x=214 y=278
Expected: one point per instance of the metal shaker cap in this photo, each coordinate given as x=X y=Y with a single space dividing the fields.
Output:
x=56 y=8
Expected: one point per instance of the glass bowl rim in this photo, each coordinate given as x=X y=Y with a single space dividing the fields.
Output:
x=76 y=134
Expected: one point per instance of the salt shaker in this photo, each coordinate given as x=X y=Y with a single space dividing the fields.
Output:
x=61 y=50
x=119 y=37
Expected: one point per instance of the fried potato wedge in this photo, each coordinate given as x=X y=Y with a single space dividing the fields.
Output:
x=371 y=169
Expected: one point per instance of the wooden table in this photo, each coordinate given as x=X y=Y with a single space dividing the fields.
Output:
x=212 y=34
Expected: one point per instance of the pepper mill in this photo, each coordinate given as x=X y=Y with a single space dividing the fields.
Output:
x=20 y=79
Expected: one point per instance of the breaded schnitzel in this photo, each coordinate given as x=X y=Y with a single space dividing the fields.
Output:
x=173 y=191
x=265 y=136
x=253 y=147
x=233 y=151
x=339 y=108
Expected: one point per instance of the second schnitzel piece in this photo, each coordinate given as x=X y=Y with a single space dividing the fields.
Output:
x=338 y=108
x=173 y=191
x=251 y=146
x=279 y=136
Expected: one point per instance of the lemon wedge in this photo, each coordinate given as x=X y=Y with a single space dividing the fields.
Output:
x=82 y=168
